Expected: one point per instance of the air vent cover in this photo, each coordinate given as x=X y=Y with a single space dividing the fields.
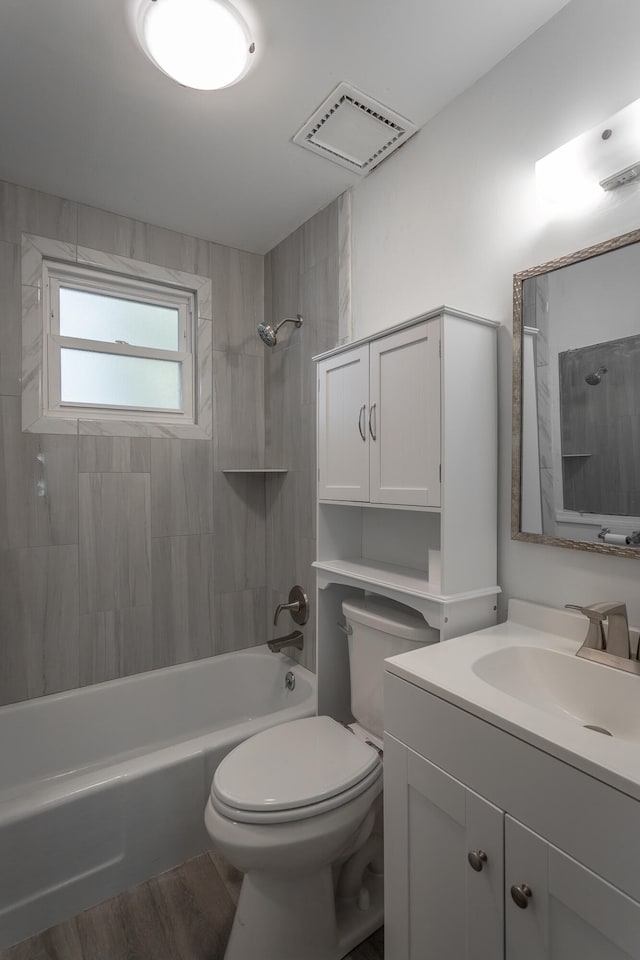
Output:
x=354 y=130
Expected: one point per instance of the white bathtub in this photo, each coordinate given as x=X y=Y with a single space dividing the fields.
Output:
x=103 y=787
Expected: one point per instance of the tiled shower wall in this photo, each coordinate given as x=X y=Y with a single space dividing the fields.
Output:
x=301 y=276
x=122 y=555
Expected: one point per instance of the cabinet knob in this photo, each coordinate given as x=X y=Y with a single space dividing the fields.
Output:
x=477 y=858
x=521 y=895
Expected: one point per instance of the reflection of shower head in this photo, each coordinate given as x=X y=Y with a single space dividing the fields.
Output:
x=593 y=379
x=270 y=336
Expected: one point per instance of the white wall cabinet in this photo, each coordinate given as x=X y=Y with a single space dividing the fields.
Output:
x=407 y=466
x=379 y=420
x=343 y=429
x=531 y=899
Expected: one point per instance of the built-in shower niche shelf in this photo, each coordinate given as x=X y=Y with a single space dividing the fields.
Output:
x=575 y=456
x=257 y=470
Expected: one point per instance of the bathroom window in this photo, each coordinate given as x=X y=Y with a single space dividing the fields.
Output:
x=114 y=352
x=116 y=345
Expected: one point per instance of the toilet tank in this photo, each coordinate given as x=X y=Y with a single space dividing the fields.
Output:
x=380 y=628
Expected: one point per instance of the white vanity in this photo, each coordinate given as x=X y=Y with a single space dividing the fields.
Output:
x=512 y=832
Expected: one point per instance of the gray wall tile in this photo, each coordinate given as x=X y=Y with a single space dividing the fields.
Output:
x=285 y=277
x=240 y=620
x=345 y=216
x=28 y=211
x=302 y=274
x=238 y=410
x=38 y=484
x=240 y=540
x=115 y=643
x=183 y=604
x=10 y=320
x=126 y=237
x=319 y=237
x=114 y=454
x=114 y=538
x=181 y=487
x=320 y=305
x=238 y=289
x=38 y=621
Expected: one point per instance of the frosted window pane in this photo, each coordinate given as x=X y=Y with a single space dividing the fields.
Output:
x=94 y=316
x=107 y=378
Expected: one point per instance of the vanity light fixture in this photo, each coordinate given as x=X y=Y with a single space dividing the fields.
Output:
x=204 y=44
x=575 y=176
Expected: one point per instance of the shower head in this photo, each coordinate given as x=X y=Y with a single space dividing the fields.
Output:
x=269 y=336
x=593 y=379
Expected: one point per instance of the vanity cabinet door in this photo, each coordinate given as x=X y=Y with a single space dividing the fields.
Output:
x=570 y=912
x=436 y=904
x=404 y=417
x=343 y=431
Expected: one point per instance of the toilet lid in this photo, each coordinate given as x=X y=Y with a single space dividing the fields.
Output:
x=293 y=765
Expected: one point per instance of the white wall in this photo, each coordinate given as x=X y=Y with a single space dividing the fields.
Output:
x=452 y=216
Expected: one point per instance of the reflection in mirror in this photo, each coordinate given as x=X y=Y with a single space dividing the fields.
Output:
x=576 y=400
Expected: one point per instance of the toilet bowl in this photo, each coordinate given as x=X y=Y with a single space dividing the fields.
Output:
x=297 y=808
x=289 y=807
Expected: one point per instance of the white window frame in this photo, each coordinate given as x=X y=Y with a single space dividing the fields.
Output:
x=82 y=278
x=46 y=262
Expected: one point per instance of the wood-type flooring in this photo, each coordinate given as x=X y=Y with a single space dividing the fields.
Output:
x=183 y=914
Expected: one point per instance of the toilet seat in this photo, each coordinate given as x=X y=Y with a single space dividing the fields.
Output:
x=294 y=771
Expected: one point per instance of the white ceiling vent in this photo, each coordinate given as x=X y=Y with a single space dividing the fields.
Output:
x=354 y=130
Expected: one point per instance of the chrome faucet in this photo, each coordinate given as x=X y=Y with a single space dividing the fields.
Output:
x=298 y=607
x=294 y=639
x=614 y=649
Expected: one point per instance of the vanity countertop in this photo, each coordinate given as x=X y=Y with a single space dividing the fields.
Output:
x=523 y=677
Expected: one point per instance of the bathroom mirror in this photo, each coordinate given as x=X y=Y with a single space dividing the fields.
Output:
x=576 y=400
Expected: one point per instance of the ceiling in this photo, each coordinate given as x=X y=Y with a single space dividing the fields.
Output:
x=85 y=115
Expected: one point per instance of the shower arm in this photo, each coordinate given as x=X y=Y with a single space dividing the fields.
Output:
x=297 y=320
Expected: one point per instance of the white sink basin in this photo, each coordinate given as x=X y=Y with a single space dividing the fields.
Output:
x=559 y=683
x=524 y=677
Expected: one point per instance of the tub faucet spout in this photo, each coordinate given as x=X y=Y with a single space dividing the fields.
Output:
x=294 y=639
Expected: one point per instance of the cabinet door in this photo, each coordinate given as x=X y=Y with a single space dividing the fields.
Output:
x=404 y=417
x=343 y=445
x=570 y=913
x=436 y=904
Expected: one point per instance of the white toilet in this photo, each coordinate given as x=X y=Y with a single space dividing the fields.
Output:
x=297 y=809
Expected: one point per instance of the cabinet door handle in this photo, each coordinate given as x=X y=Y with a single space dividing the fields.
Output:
x=361 y=421
x=477 y=859
x=521 y=895
x=372 y=415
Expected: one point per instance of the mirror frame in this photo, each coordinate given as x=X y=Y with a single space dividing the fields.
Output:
x=516 y=431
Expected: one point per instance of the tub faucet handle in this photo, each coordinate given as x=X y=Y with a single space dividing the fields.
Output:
x=298 y=606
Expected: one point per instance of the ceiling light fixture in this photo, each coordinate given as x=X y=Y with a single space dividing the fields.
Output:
x=204 y=44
